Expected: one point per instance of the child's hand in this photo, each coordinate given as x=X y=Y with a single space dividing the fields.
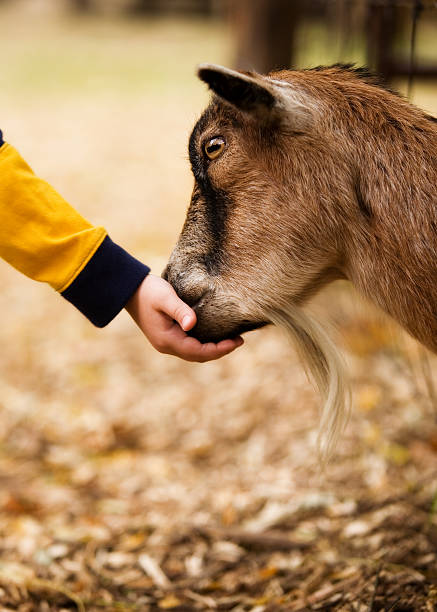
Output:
x=155 y=307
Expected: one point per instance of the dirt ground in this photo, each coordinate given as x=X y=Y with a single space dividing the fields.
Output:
x=133 y=481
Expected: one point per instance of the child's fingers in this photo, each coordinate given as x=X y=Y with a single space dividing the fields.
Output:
x=193 y=350
x=211 y=351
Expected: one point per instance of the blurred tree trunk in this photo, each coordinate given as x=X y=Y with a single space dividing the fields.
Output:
x=145 y=6
x=389 y=40
x=264 y=31
x=158 y=6
x=380 y=37
x=81 y=6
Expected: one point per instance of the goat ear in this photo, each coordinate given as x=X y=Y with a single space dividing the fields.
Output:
x=237 y=88
x=256 y=95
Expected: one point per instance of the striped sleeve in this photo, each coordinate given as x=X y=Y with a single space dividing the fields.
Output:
x=42 y=236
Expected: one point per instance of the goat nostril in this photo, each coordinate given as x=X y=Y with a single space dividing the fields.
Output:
x=191 y=293
x=193 y=301
x=197 y=303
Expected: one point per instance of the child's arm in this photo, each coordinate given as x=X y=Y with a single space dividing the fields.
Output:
x=45 y=238
x=42 y=236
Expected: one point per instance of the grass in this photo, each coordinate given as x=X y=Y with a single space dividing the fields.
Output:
x=96 y=55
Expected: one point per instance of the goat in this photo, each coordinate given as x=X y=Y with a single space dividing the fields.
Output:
x=302 y=178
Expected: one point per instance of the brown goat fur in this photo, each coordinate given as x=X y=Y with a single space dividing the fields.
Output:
x=322 y=175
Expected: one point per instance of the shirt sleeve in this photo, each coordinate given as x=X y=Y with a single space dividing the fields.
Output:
x=42 y=236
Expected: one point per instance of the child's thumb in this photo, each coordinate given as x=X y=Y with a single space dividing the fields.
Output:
x=181 y=312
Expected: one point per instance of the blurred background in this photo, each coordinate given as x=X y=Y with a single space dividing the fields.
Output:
x=118 y=463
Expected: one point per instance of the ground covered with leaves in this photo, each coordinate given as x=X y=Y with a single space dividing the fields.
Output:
x=150 y=484
x=134 y=481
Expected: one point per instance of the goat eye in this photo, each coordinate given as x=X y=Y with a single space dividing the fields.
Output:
x=214 y=147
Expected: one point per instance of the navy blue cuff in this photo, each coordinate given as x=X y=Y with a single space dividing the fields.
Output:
x=2 y=142
x=106 y=283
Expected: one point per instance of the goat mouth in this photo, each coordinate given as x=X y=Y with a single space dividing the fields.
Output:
x=206 y=335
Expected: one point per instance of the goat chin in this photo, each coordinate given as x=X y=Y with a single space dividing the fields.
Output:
x=324 y=366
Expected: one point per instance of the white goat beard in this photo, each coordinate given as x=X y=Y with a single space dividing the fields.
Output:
x=324 y=365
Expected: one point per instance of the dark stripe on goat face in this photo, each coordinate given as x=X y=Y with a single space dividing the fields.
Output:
x=213 y=202
x=216 y=205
